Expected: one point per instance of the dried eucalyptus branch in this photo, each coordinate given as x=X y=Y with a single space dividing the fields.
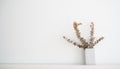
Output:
x=74 y=43
x=75 y=26
x=97 y=41
x=78 y=34
x=83 y=43
x=91 y=35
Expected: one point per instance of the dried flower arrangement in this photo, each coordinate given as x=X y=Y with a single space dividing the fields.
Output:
x=83 y=43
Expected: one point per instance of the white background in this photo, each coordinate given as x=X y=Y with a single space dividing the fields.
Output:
x=31 y=30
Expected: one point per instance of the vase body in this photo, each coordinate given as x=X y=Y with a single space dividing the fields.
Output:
x=82 y=56
x=89 y=56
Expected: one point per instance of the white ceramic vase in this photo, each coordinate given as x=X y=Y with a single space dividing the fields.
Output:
x=82 y=56
x=89 y=56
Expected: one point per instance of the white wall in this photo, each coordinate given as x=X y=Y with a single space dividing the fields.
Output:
x=31 y=30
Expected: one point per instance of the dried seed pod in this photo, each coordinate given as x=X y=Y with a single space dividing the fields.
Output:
x=80 y=46
x=75 y=25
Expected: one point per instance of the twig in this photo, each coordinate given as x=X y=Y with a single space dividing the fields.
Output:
x=91 y=35
x=97 y=41
x=74 y=43
x=78 y=34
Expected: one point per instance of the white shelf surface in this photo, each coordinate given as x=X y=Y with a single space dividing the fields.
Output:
x=57 y=66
